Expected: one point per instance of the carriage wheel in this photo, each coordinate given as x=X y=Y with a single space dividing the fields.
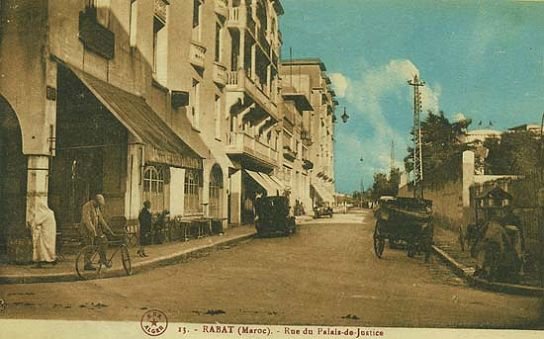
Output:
x=379 y=242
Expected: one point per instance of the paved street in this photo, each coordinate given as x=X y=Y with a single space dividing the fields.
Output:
x=325 y=274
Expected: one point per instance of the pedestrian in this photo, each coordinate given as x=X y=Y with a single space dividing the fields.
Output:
x=93 y=229
x=145 y=219
x=44 y=231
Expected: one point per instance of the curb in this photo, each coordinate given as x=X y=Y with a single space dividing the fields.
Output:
x=119 y=272
x=467 y=274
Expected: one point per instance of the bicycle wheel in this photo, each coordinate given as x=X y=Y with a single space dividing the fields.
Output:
x=125 y=258
x=88 y=273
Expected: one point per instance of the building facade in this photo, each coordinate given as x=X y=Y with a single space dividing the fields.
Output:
x=307 y=78
x=175 y=102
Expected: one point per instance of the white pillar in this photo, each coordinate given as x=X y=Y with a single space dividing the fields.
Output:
x=468 y=176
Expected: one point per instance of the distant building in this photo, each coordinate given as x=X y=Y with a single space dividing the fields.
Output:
x=480 y=136
x=308 y=77
x=531 y=128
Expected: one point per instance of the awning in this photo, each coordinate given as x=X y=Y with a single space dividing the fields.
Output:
x=162 y=144
x=323 y=193
x=276 y=185
x=270 y=190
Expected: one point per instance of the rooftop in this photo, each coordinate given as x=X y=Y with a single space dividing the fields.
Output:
x=308 y=61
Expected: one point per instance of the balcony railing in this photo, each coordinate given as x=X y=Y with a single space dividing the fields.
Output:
x=238 y=17
x=239 y=81
x=219 y=74
x=197 y=54
x=242 y=143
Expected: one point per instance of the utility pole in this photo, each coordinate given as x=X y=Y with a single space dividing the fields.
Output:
x=392 y=160
x=416 y=83
x=362 y=183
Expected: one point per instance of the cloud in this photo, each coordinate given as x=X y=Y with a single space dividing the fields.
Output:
x=339 y=83
x=369 y=95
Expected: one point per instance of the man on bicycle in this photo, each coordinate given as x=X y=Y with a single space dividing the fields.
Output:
x=93 y=229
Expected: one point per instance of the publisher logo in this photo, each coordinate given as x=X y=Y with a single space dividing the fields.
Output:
x=154 y=322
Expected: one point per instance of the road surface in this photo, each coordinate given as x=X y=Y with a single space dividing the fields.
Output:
x=327 y=274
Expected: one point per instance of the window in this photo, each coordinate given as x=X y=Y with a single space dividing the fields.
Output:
x=216 y=191
x=102 y=8
x=160 y=42
x=193 y=191
x=134 y=22
x=197 y=13
x=195 y=104
x=218 y=117
x=218 y=42
x=154 y=187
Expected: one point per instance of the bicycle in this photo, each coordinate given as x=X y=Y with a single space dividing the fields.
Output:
x=120 y=246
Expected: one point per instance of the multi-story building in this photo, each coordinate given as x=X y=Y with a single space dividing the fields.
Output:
x=167 y=101
x=308 y=77
x=252 y=96
x=295 y=163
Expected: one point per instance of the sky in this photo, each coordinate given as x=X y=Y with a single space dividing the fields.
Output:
x=480 y=59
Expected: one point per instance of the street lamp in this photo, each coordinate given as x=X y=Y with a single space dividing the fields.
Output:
x=345 y=116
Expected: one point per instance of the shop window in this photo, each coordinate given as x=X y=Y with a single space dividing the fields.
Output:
x=216 y=191
x=193 y=191
x=154 y=187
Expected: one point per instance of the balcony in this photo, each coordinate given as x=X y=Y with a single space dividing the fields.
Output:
x=307 y=164
x=238 y=18
x=219 y=74
x=242 y=144
x=238 y=81
x=221 y=7
x=288 y=153
x=197 y=54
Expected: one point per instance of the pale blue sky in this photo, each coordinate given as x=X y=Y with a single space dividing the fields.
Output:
x=483 y=59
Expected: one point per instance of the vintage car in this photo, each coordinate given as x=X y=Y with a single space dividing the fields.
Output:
x=404 y=221
x=321 y=210
x=273 y=216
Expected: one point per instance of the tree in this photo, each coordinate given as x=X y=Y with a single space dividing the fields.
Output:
x=384 y=185
x=515 y=153
x=441 y=140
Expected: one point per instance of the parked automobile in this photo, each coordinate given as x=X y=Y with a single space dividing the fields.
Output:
x=322 y=209
x=273 y=216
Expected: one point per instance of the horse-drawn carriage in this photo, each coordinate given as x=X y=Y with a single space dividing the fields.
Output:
x=495 y=239
x=404 y=221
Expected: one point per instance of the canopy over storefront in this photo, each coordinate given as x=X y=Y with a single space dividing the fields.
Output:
x=323 y=193
x=162 y=144
x=267 y=182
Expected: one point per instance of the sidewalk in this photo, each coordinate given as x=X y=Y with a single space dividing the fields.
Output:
x=158 y=255
x=447 y=247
